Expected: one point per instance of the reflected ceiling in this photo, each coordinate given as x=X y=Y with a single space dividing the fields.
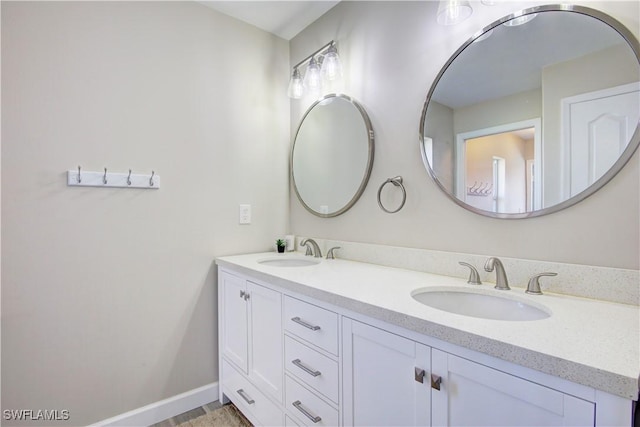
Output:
x=523 y=65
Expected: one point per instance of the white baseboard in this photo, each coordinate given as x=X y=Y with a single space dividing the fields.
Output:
x=164 y=409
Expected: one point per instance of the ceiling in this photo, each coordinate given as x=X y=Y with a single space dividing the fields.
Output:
x=282 y=18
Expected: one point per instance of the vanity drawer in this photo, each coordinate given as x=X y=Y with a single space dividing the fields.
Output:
x=289 y=422
x=314 y=369
x=307 y=408
x=312 y=323
x=248 y=399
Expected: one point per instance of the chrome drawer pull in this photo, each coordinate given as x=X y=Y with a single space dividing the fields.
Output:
x=309 y=371
x=299 y=407
x=305 y=324
x=243 y=394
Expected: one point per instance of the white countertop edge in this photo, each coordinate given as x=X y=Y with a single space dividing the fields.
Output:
x=591 y=375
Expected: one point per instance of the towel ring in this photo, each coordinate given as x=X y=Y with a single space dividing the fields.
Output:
x=396 y=181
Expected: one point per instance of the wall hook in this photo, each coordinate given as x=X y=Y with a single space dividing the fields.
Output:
x=104 y=178
x=151 y=179
x=79 y=178
x=129 y=178
x=482 y=189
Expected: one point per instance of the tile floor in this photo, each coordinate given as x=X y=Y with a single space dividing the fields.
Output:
x=194 y=413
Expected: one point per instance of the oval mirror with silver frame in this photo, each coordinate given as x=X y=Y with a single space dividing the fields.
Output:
x=535 y=113
x=332 y=155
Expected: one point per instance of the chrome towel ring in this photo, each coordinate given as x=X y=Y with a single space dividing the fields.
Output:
x=397 y=182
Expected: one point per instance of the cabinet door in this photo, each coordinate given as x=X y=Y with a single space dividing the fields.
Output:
x=234 y=319
x=475 y=395
x=265 y=339
x=380 y=382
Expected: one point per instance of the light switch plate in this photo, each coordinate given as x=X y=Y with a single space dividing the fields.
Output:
x=245 y=214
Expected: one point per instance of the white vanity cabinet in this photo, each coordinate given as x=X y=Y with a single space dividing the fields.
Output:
x=252 y=347
x=234 y=321
x=471 y=394
x=312 y=384
x=289 y=359
x=380 y=378
x=392 y=380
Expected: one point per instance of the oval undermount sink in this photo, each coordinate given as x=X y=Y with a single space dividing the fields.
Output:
x=289 y=261
x=479 y=304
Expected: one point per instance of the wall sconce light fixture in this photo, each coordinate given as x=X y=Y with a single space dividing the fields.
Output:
x=452 y=12
x=323 y=67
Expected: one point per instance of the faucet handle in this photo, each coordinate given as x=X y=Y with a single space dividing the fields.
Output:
x=331 y=254
x=534 y=285
x=307 y=245
x=474 y=277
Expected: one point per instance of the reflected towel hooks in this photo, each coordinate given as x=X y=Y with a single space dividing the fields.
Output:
x=483 y=189
x=80 y=178
x=397 y=182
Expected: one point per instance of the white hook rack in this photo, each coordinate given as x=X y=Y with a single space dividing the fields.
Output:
x=483 y=189
x=80 y=178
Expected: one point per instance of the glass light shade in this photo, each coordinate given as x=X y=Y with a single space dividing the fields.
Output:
x=484 y=36
x=331 y=65
x=520 y=20
x=295 y=90
x=312 y=80
x=452 y=12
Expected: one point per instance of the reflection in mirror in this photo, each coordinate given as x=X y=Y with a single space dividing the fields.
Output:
x=483 y=156
x=332 y=155
x=527 y=119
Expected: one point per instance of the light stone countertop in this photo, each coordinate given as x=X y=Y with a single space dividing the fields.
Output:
x=589 y=342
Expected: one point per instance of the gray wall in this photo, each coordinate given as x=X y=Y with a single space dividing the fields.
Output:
x=109 y=295
x=392 y=52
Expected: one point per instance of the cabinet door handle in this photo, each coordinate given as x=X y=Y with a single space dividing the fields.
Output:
x=309 y=371
x=243 y=294
x=247 y=295
x=243 y=394
x=305 y=324
x=419 y=375
x=436 y=381
x=298 y=405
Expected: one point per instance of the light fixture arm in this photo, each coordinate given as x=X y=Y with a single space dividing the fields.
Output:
x=326 y=46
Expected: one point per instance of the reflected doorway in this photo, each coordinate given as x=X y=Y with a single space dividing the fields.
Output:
x=497 y=167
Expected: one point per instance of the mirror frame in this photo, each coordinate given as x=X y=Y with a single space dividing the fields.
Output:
x=626 y=155
x=367 y=174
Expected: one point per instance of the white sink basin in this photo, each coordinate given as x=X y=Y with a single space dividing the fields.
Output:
x=476 y=303
x=282 y=261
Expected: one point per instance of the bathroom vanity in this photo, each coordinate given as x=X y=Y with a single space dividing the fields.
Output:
x=309 y=341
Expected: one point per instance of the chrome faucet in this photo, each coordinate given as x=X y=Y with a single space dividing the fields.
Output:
x=312 y=248
x=501 y=276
